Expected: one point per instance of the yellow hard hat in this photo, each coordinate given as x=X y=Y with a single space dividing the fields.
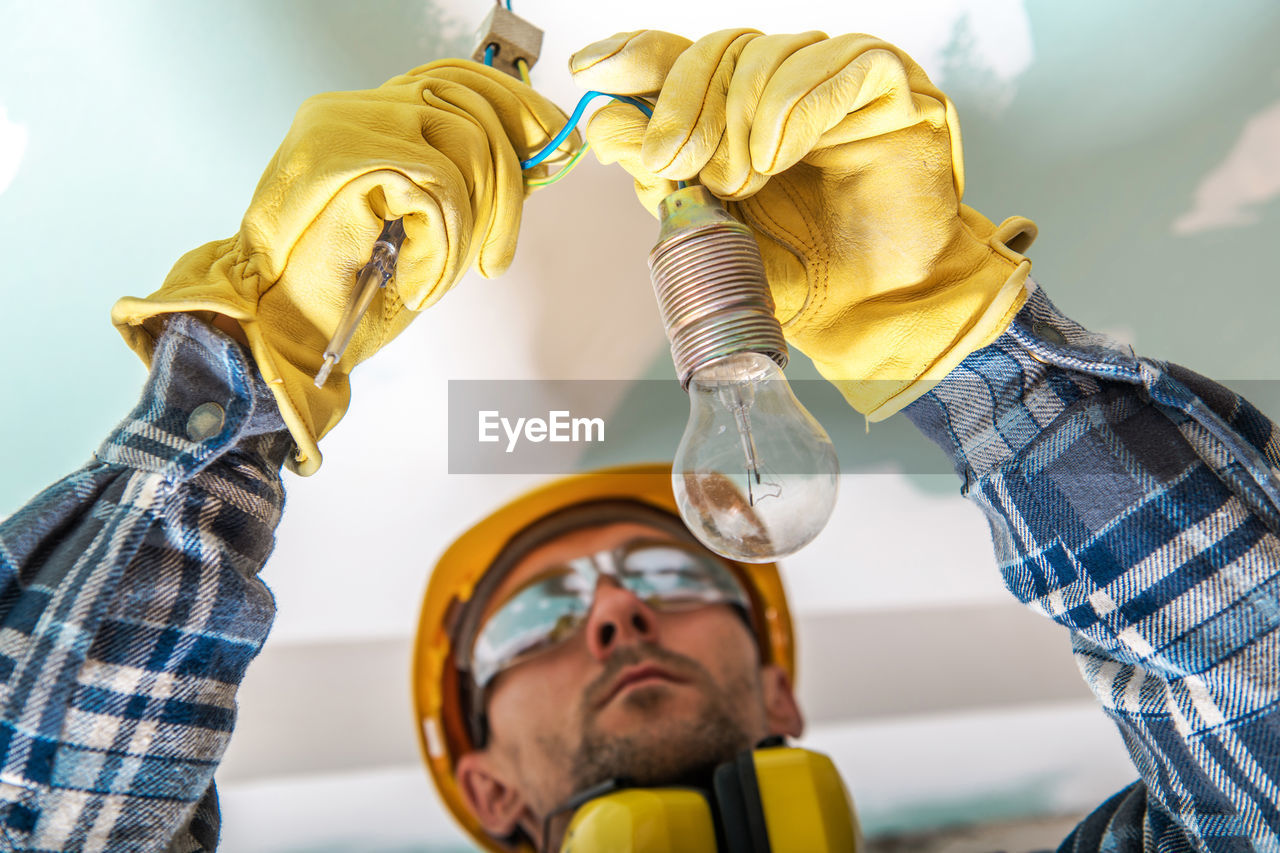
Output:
x=438 y=688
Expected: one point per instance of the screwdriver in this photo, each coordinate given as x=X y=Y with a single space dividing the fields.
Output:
x=372 y=277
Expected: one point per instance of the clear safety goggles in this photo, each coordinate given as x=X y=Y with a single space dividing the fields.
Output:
x=551 y=607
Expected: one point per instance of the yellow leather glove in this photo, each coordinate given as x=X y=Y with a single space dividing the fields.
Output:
x=439 y=146
x=845 y=161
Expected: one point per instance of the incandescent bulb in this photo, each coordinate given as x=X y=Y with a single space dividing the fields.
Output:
x=755 y=475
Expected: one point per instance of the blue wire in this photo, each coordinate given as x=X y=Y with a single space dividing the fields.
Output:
x=489 y=51
x=573 y=122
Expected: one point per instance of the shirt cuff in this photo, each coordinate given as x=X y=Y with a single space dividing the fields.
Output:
x=204 y=400
x=1001 y=398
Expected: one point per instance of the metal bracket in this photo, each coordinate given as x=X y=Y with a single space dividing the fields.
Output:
x=513 y=37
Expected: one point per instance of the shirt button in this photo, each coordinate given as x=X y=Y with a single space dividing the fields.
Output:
x=206 y=421
x=1047 y=333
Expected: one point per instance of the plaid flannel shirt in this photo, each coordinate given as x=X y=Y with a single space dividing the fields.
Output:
x=130 y=607
x=1131 y=501
x=1137 y=504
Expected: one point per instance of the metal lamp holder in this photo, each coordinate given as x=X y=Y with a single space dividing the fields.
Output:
x=711 y=286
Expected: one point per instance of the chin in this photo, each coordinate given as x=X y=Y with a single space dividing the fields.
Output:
x=643 y=705
x=656 y=696
x=657 y=734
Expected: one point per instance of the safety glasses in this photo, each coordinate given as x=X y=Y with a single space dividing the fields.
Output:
x=551 y=607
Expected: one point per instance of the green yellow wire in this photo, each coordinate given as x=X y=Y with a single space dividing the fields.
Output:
x=568 y=167
x=523 y=68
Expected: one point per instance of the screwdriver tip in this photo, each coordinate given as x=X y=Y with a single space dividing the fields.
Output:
x=323 y=374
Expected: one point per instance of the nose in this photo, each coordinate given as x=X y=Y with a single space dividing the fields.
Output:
x=618 y=618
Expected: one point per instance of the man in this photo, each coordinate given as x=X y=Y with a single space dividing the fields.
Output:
x=581 y=634
x=1131 y=501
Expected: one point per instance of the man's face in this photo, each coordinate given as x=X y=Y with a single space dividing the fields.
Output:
x=634 y=692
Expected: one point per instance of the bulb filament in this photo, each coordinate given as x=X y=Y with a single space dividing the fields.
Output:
x=738 y=399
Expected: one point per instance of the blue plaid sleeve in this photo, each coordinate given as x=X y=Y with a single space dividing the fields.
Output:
x=1138 y=505
x=130 y=607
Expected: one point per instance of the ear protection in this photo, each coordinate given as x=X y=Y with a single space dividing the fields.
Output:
x=773 y=799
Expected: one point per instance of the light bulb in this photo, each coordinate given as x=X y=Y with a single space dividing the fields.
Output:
x=755 y=476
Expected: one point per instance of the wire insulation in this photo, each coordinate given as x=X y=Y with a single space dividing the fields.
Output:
x=576 y=117
x=489 y=51
x=568 y=167
x=523 y=68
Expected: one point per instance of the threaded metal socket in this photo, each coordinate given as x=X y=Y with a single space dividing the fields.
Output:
x=710 y=283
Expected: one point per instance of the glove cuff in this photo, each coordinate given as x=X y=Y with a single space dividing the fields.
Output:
x=308 y=412
x=900 y=351
x=991 y=324
x=210 y=280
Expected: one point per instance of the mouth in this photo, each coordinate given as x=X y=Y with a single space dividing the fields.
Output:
x=637 y=675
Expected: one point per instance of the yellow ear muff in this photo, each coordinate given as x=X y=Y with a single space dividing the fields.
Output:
x=643 y=820
x=805 y=803
x=776 y=799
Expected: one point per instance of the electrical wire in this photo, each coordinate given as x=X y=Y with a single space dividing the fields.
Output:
x=559 y=138
x=522 y=67
x=573 y=161
x=568 y=167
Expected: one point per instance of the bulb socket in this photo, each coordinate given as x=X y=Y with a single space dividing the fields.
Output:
x=709 y=279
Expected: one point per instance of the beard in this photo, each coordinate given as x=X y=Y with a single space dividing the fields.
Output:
x=664 y=750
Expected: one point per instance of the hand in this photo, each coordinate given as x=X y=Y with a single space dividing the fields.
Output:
x=439 y=147
x=845 y=161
